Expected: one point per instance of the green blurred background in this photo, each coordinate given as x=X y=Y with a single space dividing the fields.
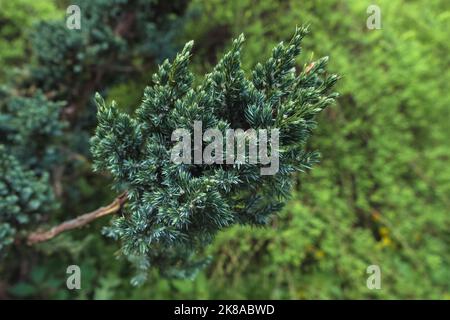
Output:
x=379 y=196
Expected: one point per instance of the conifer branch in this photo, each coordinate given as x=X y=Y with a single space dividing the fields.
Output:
x=78 y=222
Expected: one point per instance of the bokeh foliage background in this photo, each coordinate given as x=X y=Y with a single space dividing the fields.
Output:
x=379 y=196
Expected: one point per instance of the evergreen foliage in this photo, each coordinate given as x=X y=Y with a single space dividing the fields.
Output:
x=177 y=208
x=29 y=131
x=380 y=195
x=25 y=196
x=116 y=40
x=16 y=19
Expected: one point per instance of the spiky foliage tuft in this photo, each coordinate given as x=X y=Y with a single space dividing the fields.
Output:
x=25 y=197
x=178 y=208
x=29 y=130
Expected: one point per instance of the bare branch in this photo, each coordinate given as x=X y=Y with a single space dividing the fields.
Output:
x=78 y=222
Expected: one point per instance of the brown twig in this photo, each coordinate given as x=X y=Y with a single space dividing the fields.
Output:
x=80 y=221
